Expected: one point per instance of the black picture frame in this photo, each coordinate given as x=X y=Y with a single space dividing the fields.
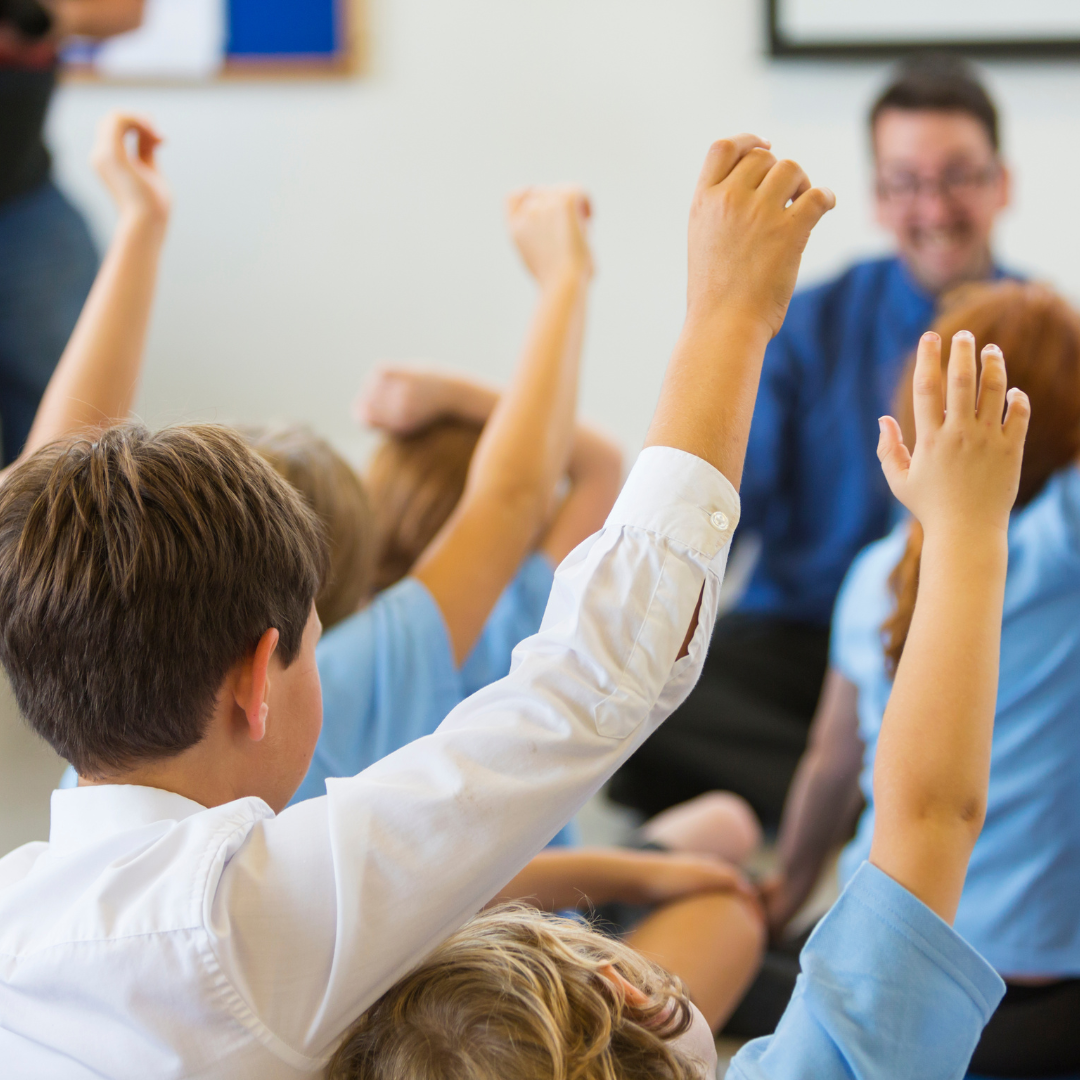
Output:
x=1018 y=49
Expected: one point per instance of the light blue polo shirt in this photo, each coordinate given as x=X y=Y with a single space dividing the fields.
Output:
x=389 y=677
x=1021 y=902
x=887 y=989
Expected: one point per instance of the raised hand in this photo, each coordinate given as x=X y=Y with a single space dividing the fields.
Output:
x=133 y=179
x=548 y=225
x=401 y=400
x=964 y=469
x=746 y=241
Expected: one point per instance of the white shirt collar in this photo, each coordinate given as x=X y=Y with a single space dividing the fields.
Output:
x=85 y=815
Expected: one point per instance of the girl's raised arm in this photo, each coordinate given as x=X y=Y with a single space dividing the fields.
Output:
x=933 y=758
x=94 y=384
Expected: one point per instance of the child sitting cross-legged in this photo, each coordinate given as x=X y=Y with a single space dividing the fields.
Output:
x=888 y=988
x=157 y=622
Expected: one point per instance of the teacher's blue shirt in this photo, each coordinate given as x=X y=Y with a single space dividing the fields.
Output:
x=812 y=488
x=1021 y=902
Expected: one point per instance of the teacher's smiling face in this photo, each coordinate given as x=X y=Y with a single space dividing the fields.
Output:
x=940 y=186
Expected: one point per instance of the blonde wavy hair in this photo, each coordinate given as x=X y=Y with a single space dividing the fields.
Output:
x=517 y=994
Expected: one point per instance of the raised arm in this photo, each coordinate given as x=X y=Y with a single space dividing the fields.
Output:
x=95 y=382
x=525 y=445
x=94 y=18
x=820 y=805
x=594 y=473
x=749 y=223
x=933 y=759
x=404 y=399
x=745 y=246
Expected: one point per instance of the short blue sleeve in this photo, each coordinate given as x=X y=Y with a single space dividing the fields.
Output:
x=887 y=989
x=388 y=678
x=516 y=616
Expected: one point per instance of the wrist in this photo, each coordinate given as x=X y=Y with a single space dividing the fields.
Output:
x=572 y=277
x=975 y=543
x=144 y=219
x=733 y=323
x=468 y=400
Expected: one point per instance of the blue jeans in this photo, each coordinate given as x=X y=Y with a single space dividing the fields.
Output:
x=47 y=265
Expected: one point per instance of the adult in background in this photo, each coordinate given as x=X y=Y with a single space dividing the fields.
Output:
x=47 y=259
x=812 y=489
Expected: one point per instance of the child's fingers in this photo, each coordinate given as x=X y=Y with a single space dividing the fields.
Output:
x=149 y=141
x=960 y=389
x=992 y=385
x=809 y=207
x=724 y=155
x=926 y=384
x=786 y=180
x=516 y=199
x=753 y=168
x=893 y=454
x=1017 y=415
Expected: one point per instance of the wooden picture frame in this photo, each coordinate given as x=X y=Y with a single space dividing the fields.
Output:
x=782 y=44
x=348 y=61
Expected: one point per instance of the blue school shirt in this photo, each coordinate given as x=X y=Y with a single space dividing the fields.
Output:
x=887 y=989
x=388 y=673
x=1021 y=902
x=812 y=488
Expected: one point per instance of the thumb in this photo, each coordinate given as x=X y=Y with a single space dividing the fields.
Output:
x=893 y=455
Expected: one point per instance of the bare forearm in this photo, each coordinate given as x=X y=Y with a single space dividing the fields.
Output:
x=817 y=806
x=526 y=442
x=707 y=399
x=94 y=18
x=561 y=879
x=595 y=475
x=518 y=461
x=97 y=376
x=936 y=734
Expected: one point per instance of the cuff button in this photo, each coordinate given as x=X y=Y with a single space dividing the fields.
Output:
x=719 y=520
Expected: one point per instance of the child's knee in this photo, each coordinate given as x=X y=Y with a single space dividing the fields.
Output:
x=734 y=818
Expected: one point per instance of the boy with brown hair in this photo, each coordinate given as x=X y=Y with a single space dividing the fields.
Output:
x=177 y=923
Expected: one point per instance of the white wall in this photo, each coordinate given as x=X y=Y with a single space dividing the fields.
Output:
x=321 y=225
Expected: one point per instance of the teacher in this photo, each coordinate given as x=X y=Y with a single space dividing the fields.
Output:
x=47 y=259
x=812 y=490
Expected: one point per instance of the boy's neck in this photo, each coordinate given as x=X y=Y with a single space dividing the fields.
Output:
x=211 y=773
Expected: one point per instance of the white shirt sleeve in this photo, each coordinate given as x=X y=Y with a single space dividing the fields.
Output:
x=324 y=907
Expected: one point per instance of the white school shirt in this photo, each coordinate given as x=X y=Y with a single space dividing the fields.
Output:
x=153 y=937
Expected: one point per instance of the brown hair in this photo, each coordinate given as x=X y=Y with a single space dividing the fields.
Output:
x=939 y=82
x=414 y=482
x=332 y=489
x=517 y=994
x=1039 y=334
x=135 y=570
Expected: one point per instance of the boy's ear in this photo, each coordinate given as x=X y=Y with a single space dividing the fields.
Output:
x=253 y=686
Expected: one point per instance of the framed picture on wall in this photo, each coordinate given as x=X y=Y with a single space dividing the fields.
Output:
x=193 y=40
x=866 y=28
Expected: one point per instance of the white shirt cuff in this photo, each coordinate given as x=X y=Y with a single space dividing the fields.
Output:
x=681 y=497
